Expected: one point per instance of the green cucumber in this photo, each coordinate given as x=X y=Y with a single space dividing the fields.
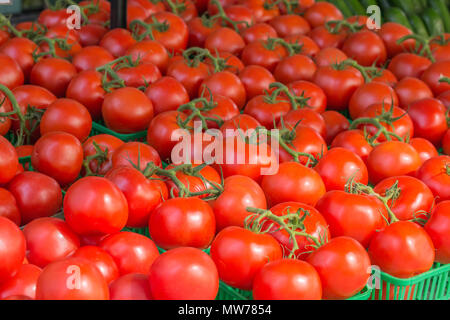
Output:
x=397 y=15
x=356 y=7
x=384 y=4
x=410 y=7
x=368 y=3
x=341 y=5
x=433 y=21
x=441 y=8
x=418 y=25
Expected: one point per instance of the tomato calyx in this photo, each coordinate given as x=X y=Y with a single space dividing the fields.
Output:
x=111 y=79
x=368 y=73
x=392 y=193
x=63 y=4
x=223 y=17
x=386 y=117
x=422 y=47
x=51 y=43
x=176 y=8
x=292 y=48
x=196 y=112
x=99 y=157
x=292 y=223
x=35 y=31
x=279 y=88
x=212 y=193
x=141 y=30
x=193 y=56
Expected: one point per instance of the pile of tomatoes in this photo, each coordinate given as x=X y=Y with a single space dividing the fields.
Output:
x=363 y=166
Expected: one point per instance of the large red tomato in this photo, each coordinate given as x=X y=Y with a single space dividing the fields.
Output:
x=22 y=283
x=435 y=172
x=132 y=286
x=438 y=227
x=101 y=259
x=12 y=251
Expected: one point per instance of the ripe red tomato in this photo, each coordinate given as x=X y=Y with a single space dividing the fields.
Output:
x=69 y=116
x=59 y=155
x=53 y=74
x=150 y=51
x=355 y=141
x=429 y=118
x=167 y=94
x=435 y=172
x=313 y=224
x=91 y=34
x=256 y=80
x=410 y=90
x=392 y=158
x=95 y=206
x=143 y=195
x=101 y=259
x=190 y=76
x=48 y=240
x=108 y=144
x=267 y=112
x=91 y=57
x=343 y=266
x=182 y=222
x=71 y=279
x=21 y=50
x=86 y=88
x=287 y=279
x=8 y=207
x=143 y=73
x=366 y=47
x=127 y=110
x=293 y=68
x=37 y=195
x=12 y=251
x=408 y=65
x=132 y=286
x=199 y=31
x=258 y=32
x=321 y=12
x=325 y=39
x=225 y=40
x=413 y=199
x=335 y=123
x=403 y=249
x=132 y=252
x=226 y=84
x=265 y=53
x=262 y=10
x=317 y=98
x=329 y=55
x=353 y=215
x=369 y=94
x=433 y=74
x=293 y=182
x=135 y=154
x=290 y=24
x=12 y=75
x=391 y=32
x=437 y=228
x=239 y=255
x=425 y=148
x=184 y=274
x=23 y=283
x=338 y=165
x=307 y=117
x=9 y=161
x=117 y=41
x=338 y=85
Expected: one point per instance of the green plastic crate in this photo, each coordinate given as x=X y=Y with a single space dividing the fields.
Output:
x=98 y=128
x=431 y=285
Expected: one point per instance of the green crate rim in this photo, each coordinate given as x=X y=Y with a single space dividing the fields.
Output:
x=122 y=136
x=435 y=270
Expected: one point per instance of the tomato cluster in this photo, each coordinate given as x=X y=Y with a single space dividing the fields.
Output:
x=355 y=121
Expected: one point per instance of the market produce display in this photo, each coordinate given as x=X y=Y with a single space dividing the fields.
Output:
x=226 y=149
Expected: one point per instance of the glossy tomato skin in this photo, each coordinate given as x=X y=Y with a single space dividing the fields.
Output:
x=354 y=141
x=296 y=67
x=391 y=32
x=91 y=34
x=127 y=110
x=12 y=75
x=86 y=88
x=329 y=55
x=408 y=65
x=143 y=195
x=12 y=252
x=189 y=76
x=338 y=85
x=287 y=279
x=95 y=206
x=117 y=41
x=132 y=252
x=413 y=199
x=167 y=94
x=433 y=74
x=225 y=40
x=259 y=31
x=42 y=234
x=21 y=50
x=198 y=32
x=437 y=228
x=68 y=116
x=107 y=143
x=8 y=206
x=133 y=154
x=37 y=195
x=366 y=47
x=317 y=97
x=255 y=79
x=182 y=222
x=150 y=51
x=226 y=84
x=307 y=117
x=139 y=75
x=132 y=286
x=9 y=161
x=392 y=158
x=435 y=173
x=429 y=118
x=410 y=90
x=101 y=259
x=343 y=266
x=53 y=74
x=313 y=224
x=80 y=273
x=184 y=274
x=325 y=39
x=240 y=192
x=321 y=12
x=352 y=215
x=403 y=249
x=335 y=123
x=293 y=182
x=338 y=166
x=239 y=255
x=91 y=57
x=59 y=155
x=425 y=149
x=267 y=113
x=22 y=283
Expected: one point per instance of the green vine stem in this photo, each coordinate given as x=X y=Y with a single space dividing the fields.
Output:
x=368 y=73
x=195 y=55
x=52 y=43
x=337 y=26
x=291 y=223
x=224 y=18
x=148 y=28
x=444 y=80
x=176 y=8
x=35 y=31
x=422 y=45
x=385 y=117
x=196 y=112
x=100 y=157
x=110 y=77
x=24 y=132
x=292 y=48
